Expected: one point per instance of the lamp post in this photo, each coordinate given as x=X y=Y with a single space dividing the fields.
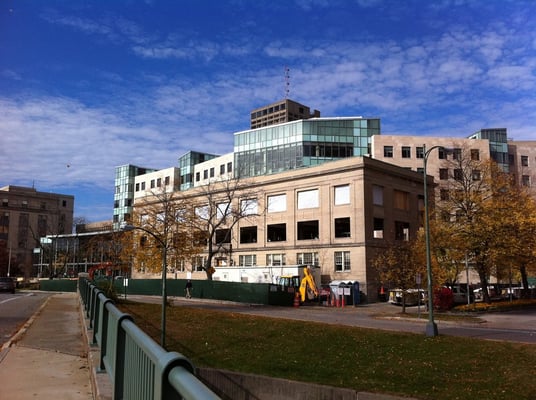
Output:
x=162 y=243
x=431 y=326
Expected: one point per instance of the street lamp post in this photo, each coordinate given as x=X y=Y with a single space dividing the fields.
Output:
x=431 y=326
x=164 y=273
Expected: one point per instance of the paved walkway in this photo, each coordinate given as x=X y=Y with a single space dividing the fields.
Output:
x=47 y=359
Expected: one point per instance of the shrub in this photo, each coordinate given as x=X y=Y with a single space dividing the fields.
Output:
x=443 y=299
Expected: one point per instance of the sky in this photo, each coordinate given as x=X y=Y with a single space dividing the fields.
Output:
x=86 y=86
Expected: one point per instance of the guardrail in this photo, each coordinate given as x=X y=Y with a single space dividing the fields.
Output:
x=138 y=367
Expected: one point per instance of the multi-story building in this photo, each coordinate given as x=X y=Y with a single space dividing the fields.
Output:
x=161 y=181
x=498 y=145
x=214 y=169
x=301 y=166
x=26 y=216
x=522 y=161
x=124 y=191
x=302 y=143
x=280 y=112
x=516 y=158
x=336 y=215
x=187 y=163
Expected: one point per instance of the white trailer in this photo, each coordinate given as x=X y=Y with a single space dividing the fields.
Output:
x=261 y=273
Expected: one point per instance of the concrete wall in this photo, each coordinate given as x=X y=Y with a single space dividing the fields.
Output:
x=236 y=386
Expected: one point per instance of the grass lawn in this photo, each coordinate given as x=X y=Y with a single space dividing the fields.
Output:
x=362 y=359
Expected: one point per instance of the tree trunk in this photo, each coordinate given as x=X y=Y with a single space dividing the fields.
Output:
x=484 y=284
x=525 y=282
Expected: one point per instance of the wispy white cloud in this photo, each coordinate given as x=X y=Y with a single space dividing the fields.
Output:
x=452 y=80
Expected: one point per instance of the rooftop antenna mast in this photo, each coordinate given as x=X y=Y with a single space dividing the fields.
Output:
x=287 y=82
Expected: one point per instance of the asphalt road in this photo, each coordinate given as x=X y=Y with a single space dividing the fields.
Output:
x=515 y=326
x=16 y=309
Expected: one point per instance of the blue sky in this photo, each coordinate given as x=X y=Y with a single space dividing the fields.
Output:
x=86 y=86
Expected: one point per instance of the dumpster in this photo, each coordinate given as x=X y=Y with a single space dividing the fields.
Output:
x=341 y=293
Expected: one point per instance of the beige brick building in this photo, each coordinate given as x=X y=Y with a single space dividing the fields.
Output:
x=336 y=215
x=522 y=159
x=26 y=215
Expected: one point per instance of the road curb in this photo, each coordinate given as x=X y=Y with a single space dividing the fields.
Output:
x=17 y=336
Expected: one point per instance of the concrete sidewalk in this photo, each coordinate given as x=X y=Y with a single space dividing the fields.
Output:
x=48 y=358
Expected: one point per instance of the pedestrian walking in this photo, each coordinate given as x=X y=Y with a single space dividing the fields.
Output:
x=188 y=289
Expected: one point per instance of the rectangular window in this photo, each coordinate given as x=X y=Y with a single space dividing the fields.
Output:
x=197 y=176
x=152 y=183
x=457 y=154
x=476 y=175
x=388 y=151
x=524 y=161
x=202 y=212
x=406 y=152
x=458 y=174
x=275 y=259
x=307 y=259
x=143 y=186
x=378 y=228
x=443 y=173
x=205 y=174
x=249 y=207
x=419 y=152
x=197 y=263
x=159 y=182
x=277 y=203
x=166 y=180
x=401 y=230
x=248 y=234
x=342 y=195
x=222 y=169
x=475 y=154
x=224 y=209
x=442 y=154
x=137 y=187
x=229 y=167
x=223 y=236
x=212 y=172
x=342 y=227
x=308 y=230
x=308 y=199
x=444 y=194
x=401 y=200
x=4 y=226
x=276 y=233
x=342 y=261
x=247 y=260
x=377 y=195
x=41 y=225
x=525 y=180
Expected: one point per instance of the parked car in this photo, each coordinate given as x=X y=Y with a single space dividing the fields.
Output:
x=460 y=294
x=7 y=284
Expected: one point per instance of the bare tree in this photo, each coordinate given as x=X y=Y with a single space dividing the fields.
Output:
x=164 y=225
x=221 y=205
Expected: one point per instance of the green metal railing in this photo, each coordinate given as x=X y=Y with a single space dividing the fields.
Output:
x=138 y=367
